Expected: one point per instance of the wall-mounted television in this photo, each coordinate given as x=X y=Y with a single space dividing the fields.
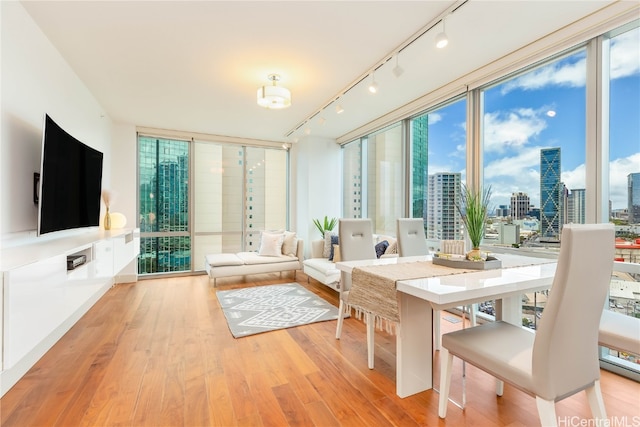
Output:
x=70 y=182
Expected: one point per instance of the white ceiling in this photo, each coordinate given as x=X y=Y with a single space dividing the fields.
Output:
x=196 y=65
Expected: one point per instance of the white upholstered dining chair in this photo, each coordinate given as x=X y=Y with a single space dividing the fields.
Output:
x=356 y=243
x=561 y=358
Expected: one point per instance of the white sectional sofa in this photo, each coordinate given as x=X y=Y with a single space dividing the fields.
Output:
x=320 y=268
x=246 y=263
x=324 y=271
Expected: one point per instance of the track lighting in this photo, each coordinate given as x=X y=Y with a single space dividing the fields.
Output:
x=441 y=38
x=321 y=120
x=307 y=131
x=398 y=70
x=339 y=109
x=373 y=87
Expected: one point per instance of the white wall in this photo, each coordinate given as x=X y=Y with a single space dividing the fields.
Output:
x=317 y=192
x=124 y=175
x=35 y=79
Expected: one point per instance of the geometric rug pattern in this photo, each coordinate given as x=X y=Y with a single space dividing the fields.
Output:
x=260 y=309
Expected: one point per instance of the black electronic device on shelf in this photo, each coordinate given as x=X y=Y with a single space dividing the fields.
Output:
x=74 y=261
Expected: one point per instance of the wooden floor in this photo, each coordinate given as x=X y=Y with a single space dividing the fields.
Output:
x=159 y=353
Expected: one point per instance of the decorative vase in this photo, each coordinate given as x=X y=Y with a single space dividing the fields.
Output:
x=107 y=220
x=474 y=254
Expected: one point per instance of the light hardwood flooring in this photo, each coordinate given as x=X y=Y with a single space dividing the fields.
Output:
x=159 y=353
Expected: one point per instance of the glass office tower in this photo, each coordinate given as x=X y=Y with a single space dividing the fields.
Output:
x=551 y=195
x=633 y=193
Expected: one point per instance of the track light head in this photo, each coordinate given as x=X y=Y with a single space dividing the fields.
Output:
x=397 y=70
x=441 y=39
x=339 y=109
x=373 y=87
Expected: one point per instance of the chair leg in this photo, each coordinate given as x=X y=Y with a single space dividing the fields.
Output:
x=436 y=330
x=446 y=364
x=341 y=310
x=547 y=412
x=472 y=315
x=596 y=402
x=370 y=338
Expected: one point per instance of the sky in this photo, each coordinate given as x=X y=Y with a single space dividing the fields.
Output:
x=544 y=108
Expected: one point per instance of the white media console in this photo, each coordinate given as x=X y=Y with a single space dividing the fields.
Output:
x=41 y=300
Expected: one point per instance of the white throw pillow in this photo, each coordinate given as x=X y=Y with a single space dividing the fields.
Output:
x=271 y=244
x=290 y=243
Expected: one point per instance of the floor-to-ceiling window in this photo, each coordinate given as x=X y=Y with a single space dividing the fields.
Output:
x=163 y=176
x=621 y=62
x=385 y=197
x=533 y=135
x=438 y=163
x=219 y=204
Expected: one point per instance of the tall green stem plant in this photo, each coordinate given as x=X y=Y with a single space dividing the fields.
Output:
x=474 y=210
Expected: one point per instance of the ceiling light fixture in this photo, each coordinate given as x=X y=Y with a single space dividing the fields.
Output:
x=307 y=131
x=274 y=97
x=441 y=38
x=373 y=87
x=339 y=109
x=397 y=70
x=321 y=120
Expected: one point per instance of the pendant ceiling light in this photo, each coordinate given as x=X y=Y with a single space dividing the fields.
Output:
x=274 y=97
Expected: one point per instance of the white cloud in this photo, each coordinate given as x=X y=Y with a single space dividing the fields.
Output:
x=512 y=129
x=625 y=55
x=434 y=118
x=574 y=179
x=557 y=74
x=625 y=61
x=618 y=171
x=516 y=173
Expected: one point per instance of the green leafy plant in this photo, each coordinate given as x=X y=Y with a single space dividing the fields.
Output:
x=474 y=209
x=326 y=225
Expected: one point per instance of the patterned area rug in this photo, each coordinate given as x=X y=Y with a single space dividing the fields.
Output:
x=260 y=309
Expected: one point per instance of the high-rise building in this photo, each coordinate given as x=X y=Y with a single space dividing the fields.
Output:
x=519 y=205
x=420 y=171
x=633 y=194
x=352 y=168
x=502 y=211
x=443 y=218
x=551 y=195
x=576 y=206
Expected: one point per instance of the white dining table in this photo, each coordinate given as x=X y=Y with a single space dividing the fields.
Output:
x=417 y=298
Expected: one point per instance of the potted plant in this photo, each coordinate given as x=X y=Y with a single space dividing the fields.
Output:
x=474 y=209
x=326 y=225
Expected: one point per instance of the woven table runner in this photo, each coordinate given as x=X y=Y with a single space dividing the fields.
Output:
x=373 y=288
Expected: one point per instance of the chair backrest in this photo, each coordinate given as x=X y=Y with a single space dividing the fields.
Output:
x=356 y=239
x=565 y=352
x=411 y=238
x=453 y=247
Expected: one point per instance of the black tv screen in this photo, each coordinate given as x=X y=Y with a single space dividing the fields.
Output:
x=70 y=182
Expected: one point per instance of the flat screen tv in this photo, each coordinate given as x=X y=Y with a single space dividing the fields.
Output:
x=70 y=182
